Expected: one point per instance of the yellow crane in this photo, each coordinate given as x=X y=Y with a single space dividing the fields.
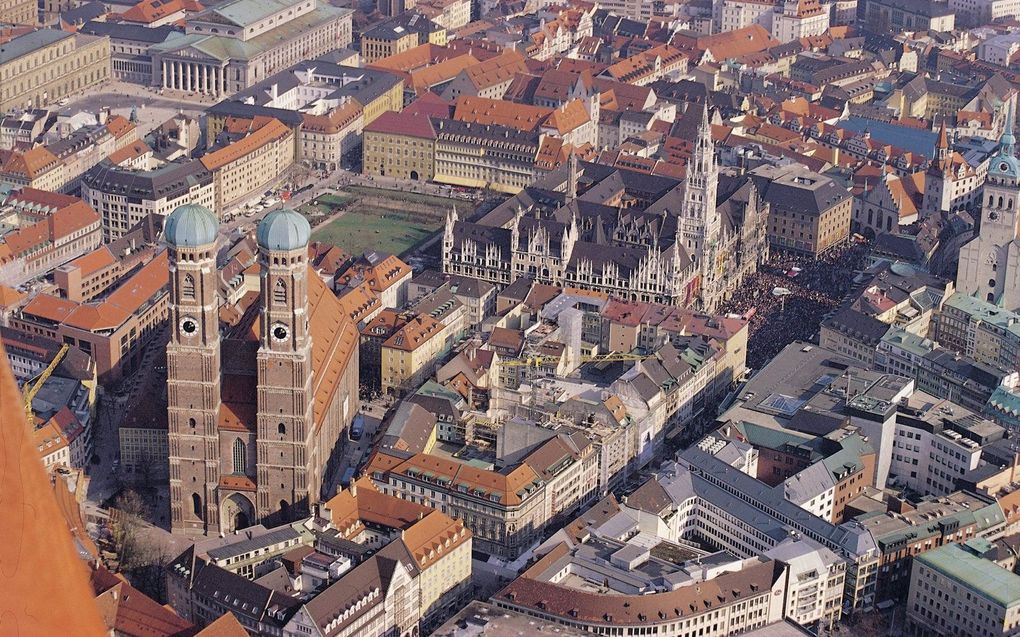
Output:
x=30 y=392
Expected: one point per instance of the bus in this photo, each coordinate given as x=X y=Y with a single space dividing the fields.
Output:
x=357 y=427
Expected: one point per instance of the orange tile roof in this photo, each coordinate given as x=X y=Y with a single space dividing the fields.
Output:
x=118 y=125
x=417 y=57
x=128 y=611
x=497 y=70
x=49 y=438
x=226 y=626
x=480 y=482
x=31 y=163
x=53 y=200
x=425 y=78
x=46 y=583
x=738 y=42
x=127 y=298
x=238 y=483
x=133 y=150
x=351 y=508
x=487 y=111
x=9 y=296
x=50 y=308
x=433 y=537
x=359 y=301
x=149 y=11
x=94 y=261
x=334 y=343
x=334 y=121
x=414 y=333
x=568 y=117
x=271 y=131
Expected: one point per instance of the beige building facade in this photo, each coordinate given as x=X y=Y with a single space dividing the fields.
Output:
x=19 y=11
x=44 y=66
x=251 y=163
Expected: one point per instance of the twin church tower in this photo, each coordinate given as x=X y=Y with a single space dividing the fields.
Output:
x=259 y=393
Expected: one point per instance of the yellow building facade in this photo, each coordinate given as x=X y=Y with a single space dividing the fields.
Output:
x=44 y=66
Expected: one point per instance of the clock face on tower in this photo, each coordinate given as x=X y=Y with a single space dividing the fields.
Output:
x=189 y=326
x=993 y=215
x=280 y=332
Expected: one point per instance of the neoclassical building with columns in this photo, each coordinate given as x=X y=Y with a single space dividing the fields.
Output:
x=237 y=44
x=259 y=393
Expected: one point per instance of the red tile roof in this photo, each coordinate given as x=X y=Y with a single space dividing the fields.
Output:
x=404 y=124
x=46 y=583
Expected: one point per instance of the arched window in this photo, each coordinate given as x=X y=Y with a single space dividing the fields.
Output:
x=991 y=297
x=240 y=457
x=282 y=428
x=871 y=216
x=192 y=423
x=196 y=504
x=280 y=293
x=888 y=224
x=1000 y=201
x=188 y=287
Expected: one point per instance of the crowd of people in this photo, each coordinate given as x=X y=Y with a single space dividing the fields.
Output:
x=816 y=287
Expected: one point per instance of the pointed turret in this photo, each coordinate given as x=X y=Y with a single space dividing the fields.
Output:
x=1007 y=141
x=942 y=146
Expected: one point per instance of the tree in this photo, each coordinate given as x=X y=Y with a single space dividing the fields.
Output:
x=142 y=559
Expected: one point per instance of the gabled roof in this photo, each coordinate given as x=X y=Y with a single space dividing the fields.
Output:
x=496 y=70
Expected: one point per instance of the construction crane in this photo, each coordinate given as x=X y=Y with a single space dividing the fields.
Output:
x=41 y=380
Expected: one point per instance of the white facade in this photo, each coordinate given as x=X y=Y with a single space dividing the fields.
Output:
x=121 y=212
x=796 y=22
x=978 y=12
x=814 y=581
x=999 y=49
x=737 y=14
x=928 y=462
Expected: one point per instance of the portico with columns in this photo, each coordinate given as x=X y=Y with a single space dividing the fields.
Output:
x=195 y=76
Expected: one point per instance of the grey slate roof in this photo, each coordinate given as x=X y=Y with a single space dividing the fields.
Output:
x=25 y=44
x=130 y=31
x=170 y=181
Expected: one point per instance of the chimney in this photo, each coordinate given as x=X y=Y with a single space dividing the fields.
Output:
x=421 y=514
x=354 y=488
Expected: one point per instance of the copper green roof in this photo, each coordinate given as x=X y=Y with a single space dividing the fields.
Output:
x=962 y=564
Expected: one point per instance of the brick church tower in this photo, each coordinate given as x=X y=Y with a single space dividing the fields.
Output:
x=193 y=364
x=256 y=406
x=285 y=399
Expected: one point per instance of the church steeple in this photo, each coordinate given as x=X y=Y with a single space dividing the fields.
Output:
x=1007 y=141
x=942 y=147
x=699 y=225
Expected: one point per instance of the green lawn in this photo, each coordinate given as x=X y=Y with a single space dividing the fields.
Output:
x=384 y=231
x=411 y=197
